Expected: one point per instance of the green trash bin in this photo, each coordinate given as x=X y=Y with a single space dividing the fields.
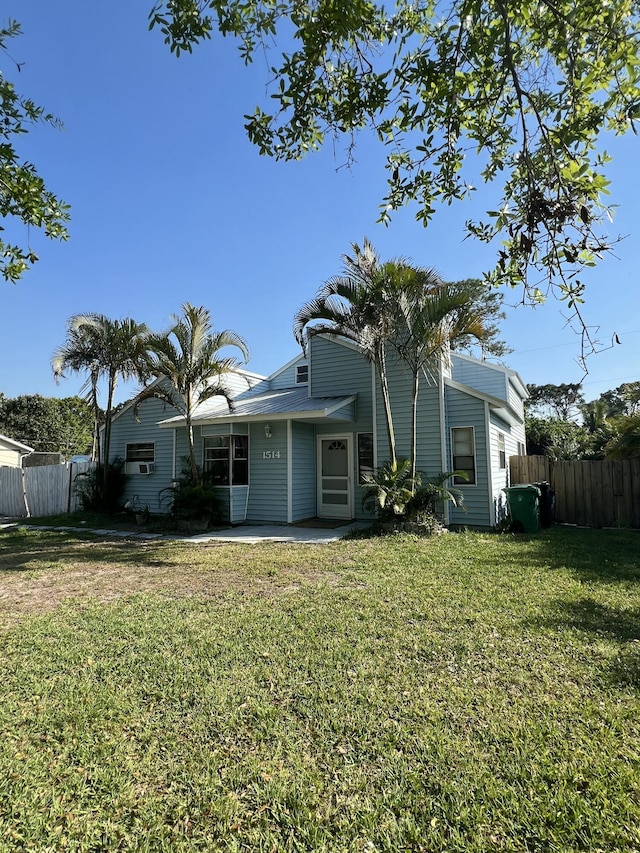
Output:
x=524 y=507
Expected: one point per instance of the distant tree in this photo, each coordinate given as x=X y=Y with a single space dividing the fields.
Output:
x=600 y=428
x=24 y=198
x=78 y=418
x=48 y=424
x=623 y=400
x=626 y=444
x=559 y=439
x=561 y=401
x=188 y=356
x=609 y=424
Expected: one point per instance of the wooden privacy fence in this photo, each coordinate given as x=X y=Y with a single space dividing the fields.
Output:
x=591 y=493
x=41 y=491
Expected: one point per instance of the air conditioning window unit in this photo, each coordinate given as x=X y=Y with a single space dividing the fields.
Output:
x=146 y=467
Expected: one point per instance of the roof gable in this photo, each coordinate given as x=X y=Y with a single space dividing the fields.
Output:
x=502 y=407
x=511 y=375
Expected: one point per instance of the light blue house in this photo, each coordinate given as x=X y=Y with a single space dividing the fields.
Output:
x=297 y=443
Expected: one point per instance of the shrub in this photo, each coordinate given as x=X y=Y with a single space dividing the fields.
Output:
x=194 y=501
x=97 y=494
x=394 y=495
x=388 y=490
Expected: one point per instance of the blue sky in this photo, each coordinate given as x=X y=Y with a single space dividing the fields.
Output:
x=171 y=203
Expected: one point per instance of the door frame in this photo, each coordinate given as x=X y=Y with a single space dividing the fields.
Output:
x=348 y=438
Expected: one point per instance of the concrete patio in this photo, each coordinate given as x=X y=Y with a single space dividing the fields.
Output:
x=246 y=534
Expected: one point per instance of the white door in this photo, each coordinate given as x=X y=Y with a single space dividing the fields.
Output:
x=335 y=493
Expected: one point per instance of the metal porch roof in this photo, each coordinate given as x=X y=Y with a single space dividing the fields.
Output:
x=275 y=405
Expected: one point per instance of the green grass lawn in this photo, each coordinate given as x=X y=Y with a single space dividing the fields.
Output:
x=467 y=693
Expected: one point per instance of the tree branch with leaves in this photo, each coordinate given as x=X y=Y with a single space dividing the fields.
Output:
x=517 y=93
x=25 y=201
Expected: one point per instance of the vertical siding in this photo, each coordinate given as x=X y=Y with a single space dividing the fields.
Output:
x=477 y=374
x=463 y=410
x=303 y=471
x=146 y=488
x=267 y=477
x=338 y=370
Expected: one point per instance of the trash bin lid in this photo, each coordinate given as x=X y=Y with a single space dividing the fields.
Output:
x=523 y=487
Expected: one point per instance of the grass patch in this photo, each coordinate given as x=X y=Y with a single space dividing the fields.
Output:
x=468 y=693
x=126 y=520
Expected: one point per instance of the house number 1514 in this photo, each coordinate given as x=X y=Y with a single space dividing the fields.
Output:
x=271 y=454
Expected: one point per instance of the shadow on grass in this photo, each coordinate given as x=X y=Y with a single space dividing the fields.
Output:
x=23 y=550
x=602 y=621
x=601 y=556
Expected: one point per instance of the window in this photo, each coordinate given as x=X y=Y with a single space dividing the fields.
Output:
x=522 y=450
x=226 y=459
x=502 y=454
x=142 y=452
x=302 y=374
x=140 y=457
x=365 y=455
x=464 y=454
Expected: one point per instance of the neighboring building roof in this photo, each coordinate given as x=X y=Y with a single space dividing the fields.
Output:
x=12 y=444
x=275 y=405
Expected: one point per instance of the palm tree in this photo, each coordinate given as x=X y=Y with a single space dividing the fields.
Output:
x=103 y=348
x=188 y=357
x=360 y=305
x=431 y=316
x=78 y=355
x=626 y=443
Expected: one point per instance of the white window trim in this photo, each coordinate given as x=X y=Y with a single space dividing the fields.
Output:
x=475 y=456
x=131 y=443
x=501 y=435
x=298 y=369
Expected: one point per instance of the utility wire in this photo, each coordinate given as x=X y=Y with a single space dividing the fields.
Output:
x=567 y=344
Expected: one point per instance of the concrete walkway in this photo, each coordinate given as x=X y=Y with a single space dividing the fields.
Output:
x=279 y=533
x=247 y=534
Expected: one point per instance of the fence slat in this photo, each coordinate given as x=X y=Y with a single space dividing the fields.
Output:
x=633 y=484
x=12 y=498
